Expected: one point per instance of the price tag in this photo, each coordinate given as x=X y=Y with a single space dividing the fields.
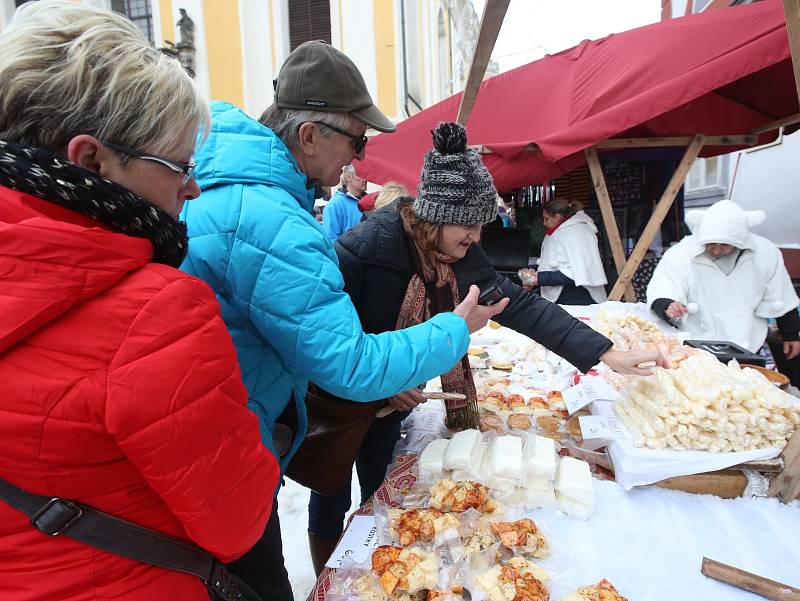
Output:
x=359 y=541
x=606 y=427
x=589 y=390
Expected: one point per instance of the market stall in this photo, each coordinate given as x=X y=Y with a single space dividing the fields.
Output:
x=532 y=495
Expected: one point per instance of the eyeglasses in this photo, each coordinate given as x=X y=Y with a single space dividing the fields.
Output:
x=359 y=142
x=187 y=169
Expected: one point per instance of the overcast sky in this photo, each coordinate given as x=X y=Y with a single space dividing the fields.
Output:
x=535 y=27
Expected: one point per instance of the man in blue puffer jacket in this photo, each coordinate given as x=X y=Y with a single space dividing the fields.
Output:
x=255 y=240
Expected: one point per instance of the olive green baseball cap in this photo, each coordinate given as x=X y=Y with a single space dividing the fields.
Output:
x=318 y=77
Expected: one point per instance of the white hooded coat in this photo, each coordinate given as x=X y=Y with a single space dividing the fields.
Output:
x=572 y=250
x=733 y=307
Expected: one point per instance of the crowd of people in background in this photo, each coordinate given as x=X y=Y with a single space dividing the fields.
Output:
x=169 y=298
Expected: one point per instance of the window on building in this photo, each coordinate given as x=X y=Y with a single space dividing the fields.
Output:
x=138 y=11
x=443 y=49
x=704 y=174
x=700 y=5
x=18 y=3
x=309 y=20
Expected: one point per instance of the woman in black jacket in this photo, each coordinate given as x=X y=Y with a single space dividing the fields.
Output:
x=417 y=257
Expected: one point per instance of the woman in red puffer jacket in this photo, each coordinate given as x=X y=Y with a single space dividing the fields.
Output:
x=120 y=386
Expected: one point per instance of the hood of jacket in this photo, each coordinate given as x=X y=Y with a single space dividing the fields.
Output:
x=724 y=222
x=54 y=259
x=578 y=219
x=239 y=150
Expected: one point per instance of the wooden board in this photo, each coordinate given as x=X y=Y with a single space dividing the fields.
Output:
x=728 y=484
x=733 y=140
x=792 y=10
x=654 y=224
x=748 y=581
x=786 y=485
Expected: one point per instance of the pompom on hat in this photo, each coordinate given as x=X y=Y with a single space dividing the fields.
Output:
x=455 y=187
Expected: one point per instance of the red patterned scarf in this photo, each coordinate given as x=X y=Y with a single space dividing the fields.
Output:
x=433 y=289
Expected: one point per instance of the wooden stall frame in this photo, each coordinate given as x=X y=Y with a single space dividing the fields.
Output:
x=786 y=485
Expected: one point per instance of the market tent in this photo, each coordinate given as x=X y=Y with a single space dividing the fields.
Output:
x=719 y=73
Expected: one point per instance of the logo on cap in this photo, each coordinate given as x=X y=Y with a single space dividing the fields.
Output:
x=310 y=102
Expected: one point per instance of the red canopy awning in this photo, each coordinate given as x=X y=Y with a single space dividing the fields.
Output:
x=721 y=72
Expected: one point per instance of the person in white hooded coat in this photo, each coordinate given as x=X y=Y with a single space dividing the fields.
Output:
x=570 y=270
x=724 y=283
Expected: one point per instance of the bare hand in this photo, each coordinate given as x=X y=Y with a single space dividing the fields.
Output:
x=791 y=349
x=531 y=281
x=676 y=310
x=477 y=315
x=628 y=362
x=406 y=401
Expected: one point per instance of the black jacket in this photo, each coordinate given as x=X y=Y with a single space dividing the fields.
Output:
x=376 y=264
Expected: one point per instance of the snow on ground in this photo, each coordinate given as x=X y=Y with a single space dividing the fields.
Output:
x=293 y=512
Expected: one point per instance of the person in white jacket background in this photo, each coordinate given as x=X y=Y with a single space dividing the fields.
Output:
x=733 y=281
x=570 y=270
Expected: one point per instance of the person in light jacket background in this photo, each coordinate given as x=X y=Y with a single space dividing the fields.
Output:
x=570 y=271
x=733 y=280
x=342 y=212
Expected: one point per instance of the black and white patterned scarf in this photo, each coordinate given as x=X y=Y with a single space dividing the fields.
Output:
x=43 y=174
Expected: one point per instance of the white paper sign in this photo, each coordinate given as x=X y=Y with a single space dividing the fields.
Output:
x=606 y=427
x=588 y=391
x=358 y=542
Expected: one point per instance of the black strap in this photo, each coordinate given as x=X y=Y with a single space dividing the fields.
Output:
x=55 y=517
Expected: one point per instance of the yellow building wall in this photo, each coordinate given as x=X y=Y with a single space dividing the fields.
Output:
x=224 y=43
x=167 y=22
x=383 y=11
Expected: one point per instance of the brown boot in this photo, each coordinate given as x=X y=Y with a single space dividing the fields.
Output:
x=321 y=550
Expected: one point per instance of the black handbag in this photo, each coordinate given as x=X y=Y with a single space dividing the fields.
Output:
x=59 y=517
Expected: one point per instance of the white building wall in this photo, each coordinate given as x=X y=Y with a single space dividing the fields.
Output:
x=257 y=72
x=353 y=32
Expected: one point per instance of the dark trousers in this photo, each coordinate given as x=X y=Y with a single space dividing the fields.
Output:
x=575 y=295
x=326 y=513
x=262 y=567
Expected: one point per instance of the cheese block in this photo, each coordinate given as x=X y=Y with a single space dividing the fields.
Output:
x=540 y=457
x=463 y=450
x=506 y=458
x=574 y=508
x=539 y=498
x=431 y=460
x=473 y=470
x=495 y=483
x=575 y=481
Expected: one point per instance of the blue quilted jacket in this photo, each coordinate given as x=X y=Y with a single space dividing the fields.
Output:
x=254 y=239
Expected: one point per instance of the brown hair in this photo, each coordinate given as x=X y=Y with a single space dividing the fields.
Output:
x=428 y=235
x=567 y=208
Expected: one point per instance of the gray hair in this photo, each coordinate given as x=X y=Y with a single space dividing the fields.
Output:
x=286 y=123
x=67 y=69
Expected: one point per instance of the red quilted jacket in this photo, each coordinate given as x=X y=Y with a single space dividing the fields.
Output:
x=119 y=388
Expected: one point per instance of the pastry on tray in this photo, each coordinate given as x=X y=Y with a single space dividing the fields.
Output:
x=457 y=496
x=522 y=536
x=602 y=591
x=412 y=525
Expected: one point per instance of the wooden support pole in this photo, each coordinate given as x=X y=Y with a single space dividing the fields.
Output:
x=737 y=140
x=493 y=14
x=609 y=221
x=748 y=581
x=654 y=224
x=786 y=485
x=790 y=120
x=792 y=10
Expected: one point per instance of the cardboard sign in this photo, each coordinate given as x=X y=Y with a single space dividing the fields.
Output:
x=603 y=427
x=589 y=390
x=358 y=542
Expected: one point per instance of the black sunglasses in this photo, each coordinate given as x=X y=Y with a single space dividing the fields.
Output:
x=359 y=142
x=187 y=169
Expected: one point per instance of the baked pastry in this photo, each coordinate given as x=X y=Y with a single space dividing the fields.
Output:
x=516 y=402
x=602 y=591
x=478 y=540
x=495 y=401
x=548 y=423
x=502 y=365
x=508 y=583
x=492 y=422
x=410 y=570
x=522 y=536
x=419 y=524
x=458 y=496
x=519 y=421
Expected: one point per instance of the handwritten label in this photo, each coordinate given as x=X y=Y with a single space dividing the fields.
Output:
x=606 y=427
x=589 y=390
x=358 y=542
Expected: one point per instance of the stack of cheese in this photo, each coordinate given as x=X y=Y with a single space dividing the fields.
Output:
x=540 y=461
x=574 y=488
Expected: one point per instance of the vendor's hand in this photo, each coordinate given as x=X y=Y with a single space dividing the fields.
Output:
x=406 y=401
x=531 y=281
x=477 y=315
x=627 y=362
x=791 y=349
x=676 y=310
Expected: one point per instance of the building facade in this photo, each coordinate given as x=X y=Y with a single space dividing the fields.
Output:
x=412 y=53
x=764 y=177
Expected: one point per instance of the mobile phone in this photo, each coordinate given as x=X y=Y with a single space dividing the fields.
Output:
x=490 y=296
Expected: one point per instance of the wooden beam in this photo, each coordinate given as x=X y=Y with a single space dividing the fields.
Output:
x=493 y=14
x=609 y=221
x=790 y=120
x=737 y=140
x=748 y=581
x=786 y=485
x=665 y=202
x=481 y=149
x=792 y=10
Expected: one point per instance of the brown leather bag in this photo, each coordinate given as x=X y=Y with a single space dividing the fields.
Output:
x=336 y=430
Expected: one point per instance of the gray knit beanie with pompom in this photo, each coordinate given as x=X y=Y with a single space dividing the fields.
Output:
x=455 y=187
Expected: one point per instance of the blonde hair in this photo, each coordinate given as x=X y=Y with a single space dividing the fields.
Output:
x=67 y=69
x=391 y=191
x=428 y=235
